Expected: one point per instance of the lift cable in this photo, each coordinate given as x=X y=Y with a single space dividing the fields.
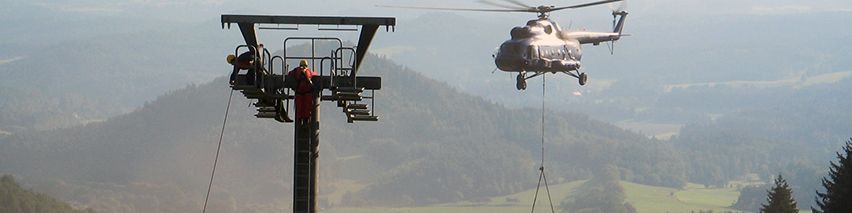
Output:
x=218 y=148
x=541 y=168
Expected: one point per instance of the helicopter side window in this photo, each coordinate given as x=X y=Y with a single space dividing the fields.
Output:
x=533 y=52
x=568 y=52
x=550 y=52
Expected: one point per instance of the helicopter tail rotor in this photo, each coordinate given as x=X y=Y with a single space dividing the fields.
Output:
x=617 y=24
x=611 y=44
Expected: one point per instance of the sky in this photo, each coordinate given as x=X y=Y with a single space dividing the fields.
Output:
x=45 y=19
x=195 y=10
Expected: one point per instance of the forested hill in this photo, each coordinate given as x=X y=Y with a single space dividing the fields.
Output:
x=432 y=144
x=14 y=198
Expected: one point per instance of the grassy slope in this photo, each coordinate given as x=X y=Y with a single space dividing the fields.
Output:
x=645 y=198
x=661 y=199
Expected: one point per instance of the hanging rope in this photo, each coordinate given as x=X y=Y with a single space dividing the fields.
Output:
x=541 y=175
x=218 y=148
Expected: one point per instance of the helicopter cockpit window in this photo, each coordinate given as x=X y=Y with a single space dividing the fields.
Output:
x=510 y=49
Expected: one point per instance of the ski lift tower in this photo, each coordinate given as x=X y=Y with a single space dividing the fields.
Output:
x=338 y=82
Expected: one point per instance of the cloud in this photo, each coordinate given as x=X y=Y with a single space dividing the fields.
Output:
x=393 y=50
x=90 y=9
x=781 y=10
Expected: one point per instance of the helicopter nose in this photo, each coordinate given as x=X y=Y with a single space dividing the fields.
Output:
x=508 y=63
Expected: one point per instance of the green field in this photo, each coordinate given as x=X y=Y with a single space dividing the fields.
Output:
x=798 y=81
x=660 y=199
x=645 y=198
x=9 y=60
x=664 y=131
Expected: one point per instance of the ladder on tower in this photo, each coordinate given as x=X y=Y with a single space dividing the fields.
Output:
x=304 y=168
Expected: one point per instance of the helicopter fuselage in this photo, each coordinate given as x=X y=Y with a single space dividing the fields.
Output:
x=538 y=47
x=542 y=46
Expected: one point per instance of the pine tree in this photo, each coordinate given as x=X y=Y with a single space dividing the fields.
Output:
x=780 y=198
x=837 y=197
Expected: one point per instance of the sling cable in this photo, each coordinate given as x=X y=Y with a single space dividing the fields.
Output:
x=541 y=175
x=218 y=148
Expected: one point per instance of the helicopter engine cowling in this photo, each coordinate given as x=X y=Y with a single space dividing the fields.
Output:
x=521 y=32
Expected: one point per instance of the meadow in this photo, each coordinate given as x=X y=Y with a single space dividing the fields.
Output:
x=644 y=198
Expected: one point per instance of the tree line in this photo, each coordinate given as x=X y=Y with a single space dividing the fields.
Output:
x=834 y=197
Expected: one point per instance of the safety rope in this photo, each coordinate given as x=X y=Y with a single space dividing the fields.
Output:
x=541 y=169
x=218 y=148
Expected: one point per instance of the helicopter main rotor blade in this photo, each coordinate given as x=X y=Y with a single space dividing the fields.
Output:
x=502 y=5
x=585 y=5
x=458 y=9
x=516 y=2
x=622 y=6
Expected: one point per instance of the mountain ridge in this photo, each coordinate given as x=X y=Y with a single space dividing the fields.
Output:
x=169 y=142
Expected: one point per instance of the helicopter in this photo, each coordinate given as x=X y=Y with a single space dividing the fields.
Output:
x=541 y=46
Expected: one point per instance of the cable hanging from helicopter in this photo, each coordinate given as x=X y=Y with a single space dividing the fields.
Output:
x=541 y=46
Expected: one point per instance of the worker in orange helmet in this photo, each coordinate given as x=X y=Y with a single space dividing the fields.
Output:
x=246 y=61
x=304 y=91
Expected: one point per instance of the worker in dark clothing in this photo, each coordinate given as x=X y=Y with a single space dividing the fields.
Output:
x=304 y=91
x=246 y=61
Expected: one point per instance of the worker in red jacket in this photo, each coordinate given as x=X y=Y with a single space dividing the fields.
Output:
x=304 y=91
x=246 y=61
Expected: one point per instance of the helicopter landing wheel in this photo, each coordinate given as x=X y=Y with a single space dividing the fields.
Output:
x=521 y=82
x=583 y=77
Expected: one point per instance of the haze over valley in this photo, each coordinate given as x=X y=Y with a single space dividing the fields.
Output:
x=117 y=107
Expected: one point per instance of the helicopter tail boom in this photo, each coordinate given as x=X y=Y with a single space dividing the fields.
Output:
x=598 y=37
x=591 y=37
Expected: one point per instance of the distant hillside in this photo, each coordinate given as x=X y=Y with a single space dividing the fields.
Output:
x=121 y=69
x=14 y=198
x=27 y=110
x=432 y=144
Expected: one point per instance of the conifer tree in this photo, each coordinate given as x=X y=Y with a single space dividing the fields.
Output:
x=779 y=199
x=837 y=197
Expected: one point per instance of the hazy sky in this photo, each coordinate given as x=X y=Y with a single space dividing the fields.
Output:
x=46 y=18
x=204 y=9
